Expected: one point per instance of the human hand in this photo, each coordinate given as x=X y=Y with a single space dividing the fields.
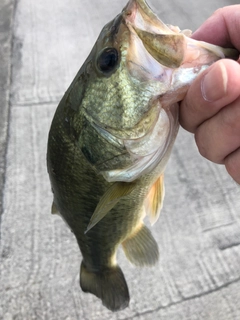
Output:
x=211 y=107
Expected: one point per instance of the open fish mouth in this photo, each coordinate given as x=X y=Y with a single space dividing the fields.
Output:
x=159 y=40
x=166 y=58
x=169 y=45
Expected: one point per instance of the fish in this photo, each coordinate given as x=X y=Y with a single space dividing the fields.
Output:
x=111 y=137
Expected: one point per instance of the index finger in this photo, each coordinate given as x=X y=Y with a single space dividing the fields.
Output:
x=222 y=28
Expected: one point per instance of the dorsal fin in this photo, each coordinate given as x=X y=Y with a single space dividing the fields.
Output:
x=154 y=201
x=110 y=198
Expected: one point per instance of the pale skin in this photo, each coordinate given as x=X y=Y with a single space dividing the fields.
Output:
x=211 y=107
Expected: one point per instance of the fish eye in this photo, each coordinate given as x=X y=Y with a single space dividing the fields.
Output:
x=107 y=60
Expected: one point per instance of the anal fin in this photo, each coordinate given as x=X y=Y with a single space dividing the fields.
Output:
x=141 y=248
x=154 y=201
x=109 y=285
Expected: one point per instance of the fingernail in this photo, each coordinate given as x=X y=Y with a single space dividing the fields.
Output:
x=214 y=83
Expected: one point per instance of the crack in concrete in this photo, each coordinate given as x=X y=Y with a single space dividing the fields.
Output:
x=196 y=296
x=229 y=246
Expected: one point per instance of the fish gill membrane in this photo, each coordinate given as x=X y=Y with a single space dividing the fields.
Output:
x=111 y=137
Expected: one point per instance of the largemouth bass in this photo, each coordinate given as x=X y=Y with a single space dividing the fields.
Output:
x=111 y=137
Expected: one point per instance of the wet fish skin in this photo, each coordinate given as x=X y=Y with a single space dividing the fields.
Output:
x=110 y=139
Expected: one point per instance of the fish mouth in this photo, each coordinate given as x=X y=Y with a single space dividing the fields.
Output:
x=167 y=44
x=167 y=58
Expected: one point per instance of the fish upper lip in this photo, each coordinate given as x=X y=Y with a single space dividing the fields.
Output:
x=138 y=14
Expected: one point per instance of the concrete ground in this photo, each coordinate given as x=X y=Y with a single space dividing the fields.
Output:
x=43 y=44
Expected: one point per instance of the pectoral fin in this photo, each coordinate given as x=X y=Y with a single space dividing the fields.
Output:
x=110 y=198
x=154 y=201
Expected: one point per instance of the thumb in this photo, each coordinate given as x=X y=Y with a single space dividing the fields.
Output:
x=213 y=89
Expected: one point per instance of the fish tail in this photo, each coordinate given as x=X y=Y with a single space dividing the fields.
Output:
x=140 y=247
x=109 y=285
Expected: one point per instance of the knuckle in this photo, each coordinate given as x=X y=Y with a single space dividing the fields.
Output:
x=203 y=150
x=232 y=164
x=219 y=11
x=208 y=147
x=230 y=118
x=191 y=107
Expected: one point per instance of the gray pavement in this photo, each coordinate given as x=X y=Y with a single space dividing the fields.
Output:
x=43 y=44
